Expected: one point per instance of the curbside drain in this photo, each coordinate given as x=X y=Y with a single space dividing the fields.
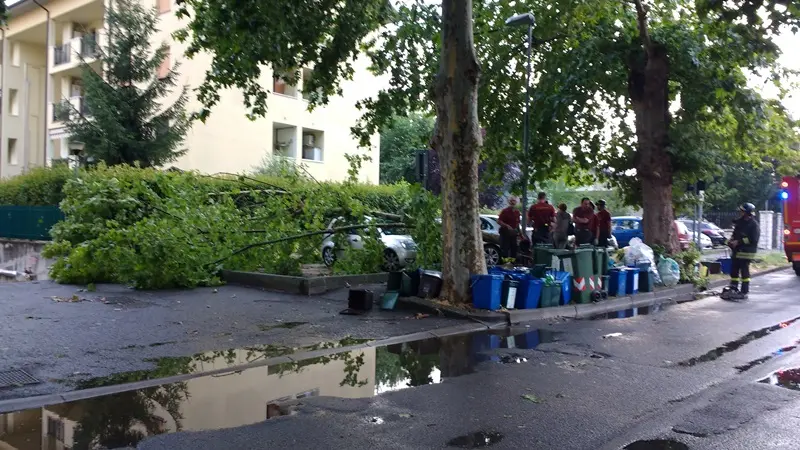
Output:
x=16 y=378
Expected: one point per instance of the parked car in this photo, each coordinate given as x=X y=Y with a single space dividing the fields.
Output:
x=625 y=228
x=400 y=249
x=712 y=231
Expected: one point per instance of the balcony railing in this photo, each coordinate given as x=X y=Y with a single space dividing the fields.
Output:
x=62 y=53
x=89 y=47
x=69 y=108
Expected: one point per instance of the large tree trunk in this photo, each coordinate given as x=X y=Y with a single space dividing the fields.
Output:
x=457 y=140
x=648 y=87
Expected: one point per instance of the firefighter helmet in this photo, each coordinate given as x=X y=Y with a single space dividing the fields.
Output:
x=749 y=208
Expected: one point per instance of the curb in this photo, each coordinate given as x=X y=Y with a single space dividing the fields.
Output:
x=39 y=401
x=300 y=285
x=723 y=283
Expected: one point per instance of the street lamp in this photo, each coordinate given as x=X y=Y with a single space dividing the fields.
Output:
x=76 y=150
x=525 y=19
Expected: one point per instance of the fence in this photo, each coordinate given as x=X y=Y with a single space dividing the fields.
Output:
x=28 y=222
x=721 y=219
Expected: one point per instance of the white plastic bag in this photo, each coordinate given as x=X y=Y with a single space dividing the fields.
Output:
x=637 y=252
x=670 y=272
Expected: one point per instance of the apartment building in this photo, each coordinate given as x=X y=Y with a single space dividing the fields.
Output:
x=41 y=50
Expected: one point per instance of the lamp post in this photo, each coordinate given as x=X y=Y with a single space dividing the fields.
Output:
x=525 y=19
x=76 y=150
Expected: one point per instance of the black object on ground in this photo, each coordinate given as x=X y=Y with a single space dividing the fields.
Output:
x=430 y=284
x=478 y=439
x=359 y=301
x=657 y=444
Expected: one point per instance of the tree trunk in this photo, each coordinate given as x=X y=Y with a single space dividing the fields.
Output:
x=649 y=91
x=457 y=140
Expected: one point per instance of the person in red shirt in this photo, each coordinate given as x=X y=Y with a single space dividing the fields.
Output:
x=583 y=217
x=541 y=216
x=603 y=219
x=509 y=220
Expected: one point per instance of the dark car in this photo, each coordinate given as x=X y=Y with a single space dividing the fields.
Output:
x=491 y=238
x=715 y=233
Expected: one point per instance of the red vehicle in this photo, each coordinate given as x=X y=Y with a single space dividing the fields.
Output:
x=790 y=196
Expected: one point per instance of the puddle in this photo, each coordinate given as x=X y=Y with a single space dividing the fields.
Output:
x=478 y=439
x=787 y=378
x=734 y=345
x=656 y=444
x=632 y=312
x=258 y=393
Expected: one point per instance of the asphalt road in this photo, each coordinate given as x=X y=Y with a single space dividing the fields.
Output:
x=582 y=392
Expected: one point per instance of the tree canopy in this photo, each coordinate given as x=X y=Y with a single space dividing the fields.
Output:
x=125 y=120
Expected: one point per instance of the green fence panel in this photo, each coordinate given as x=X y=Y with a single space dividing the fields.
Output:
x=28 y=222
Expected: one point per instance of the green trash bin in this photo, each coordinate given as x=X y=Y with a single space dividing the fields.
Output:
x=551 y=294
x=600 y=261
x=542 y=254
x=584 y=279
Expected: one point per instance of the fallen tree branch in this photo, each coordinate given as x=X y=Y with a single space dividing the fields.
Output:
x=304 y=235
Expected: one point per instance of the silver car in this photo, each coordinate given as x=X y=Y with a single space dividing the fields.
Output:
x=400 y=249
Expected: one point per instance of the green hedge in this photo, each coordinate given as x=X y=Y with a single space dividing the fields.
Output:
x=39 y=187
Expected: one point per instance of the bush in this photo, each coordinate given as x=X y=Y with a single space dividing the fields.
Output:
x=39 y=187
x=156 y=229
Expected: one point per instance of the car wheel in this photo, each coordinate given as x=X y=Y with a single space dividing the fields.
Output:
x=328 y=256
x=492 y=255
x=391 y=261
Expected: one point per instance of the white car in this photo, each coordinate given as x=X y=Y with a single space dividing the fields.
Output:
x=400 y=249
x=705 y=241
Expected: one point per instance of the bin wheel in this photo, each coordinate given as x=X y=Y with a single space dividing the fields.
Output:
x=597 y=296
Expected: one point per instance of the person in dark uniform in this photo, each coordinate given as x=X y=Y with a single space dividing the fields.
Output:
x=583 y=216
x=509 y=220
x=744 y=244
x=541 y=216
x=603 y=224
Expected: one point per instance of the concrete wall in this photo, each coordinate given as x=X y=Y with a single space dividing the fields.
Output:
x=21 y=256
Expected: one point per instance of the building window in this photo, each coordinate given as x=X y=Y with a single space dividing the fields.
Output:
x=13 y=101
x=313 y=145
x=166 y=64
x=283 y=87
x=284 y=137
x=55 y=428
x=164 y=6
x=15 y=54
x=13 y=159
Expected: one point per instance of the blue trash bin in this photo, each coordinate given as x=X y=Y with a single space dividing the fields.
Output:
x=726 y=265
x=486 y=291
x=529 y=293
x=632 y=283
x=617 y=279
x=566 y=286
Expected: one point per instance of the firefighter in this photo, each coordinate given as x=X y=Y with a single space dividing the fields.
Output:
x=541 y=216
x=744 y=244
x=583 y=216
x=509 y=220
x=603 y=224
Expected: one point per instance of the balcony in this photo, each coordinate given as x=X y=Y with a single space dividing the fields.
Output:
x=69 y=109
x=70 y=53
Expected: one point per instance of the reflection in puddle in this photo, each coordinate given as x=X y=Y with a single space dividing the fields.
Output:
x=632 y=312
x=787 y=378
x=780 y=352
x=251 y=395
x=734 y=345
x=657 y=444
x=476 y=440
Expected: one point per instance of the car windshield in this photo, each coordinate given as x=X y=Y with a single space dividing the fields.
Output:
x=711 y=226
x=394 y=231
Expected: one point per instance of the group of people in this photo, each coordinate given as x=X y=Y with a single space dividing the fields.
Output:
x=551 y=226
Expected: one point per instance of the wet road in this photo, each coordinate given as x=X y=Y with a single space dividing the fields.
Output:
x=710 y=374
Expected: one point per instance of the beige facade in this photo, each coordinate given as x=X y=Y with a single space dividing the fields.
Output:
x=40 y=71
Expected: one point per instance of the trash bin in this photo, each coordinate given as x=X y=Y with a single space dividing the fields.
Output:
x=616 y=282
x=632 y=283
x=565 y=278
x=542 y=254
x=510 y=289
x=395 y=281
x=539 y=270
x=529 y=293
x=584 y=281
x=600 y=261
x=409 y=285
x=726 y=264
x=486 y=291
x=550 y=295
x=430 y=284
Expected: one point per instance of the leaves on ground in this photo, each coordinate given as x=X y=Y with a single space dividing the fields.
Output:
x=532 y=398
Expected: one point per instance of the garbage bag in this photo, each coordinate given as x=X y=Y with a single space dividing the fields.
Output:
x=670 y=272
x=637 y=252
